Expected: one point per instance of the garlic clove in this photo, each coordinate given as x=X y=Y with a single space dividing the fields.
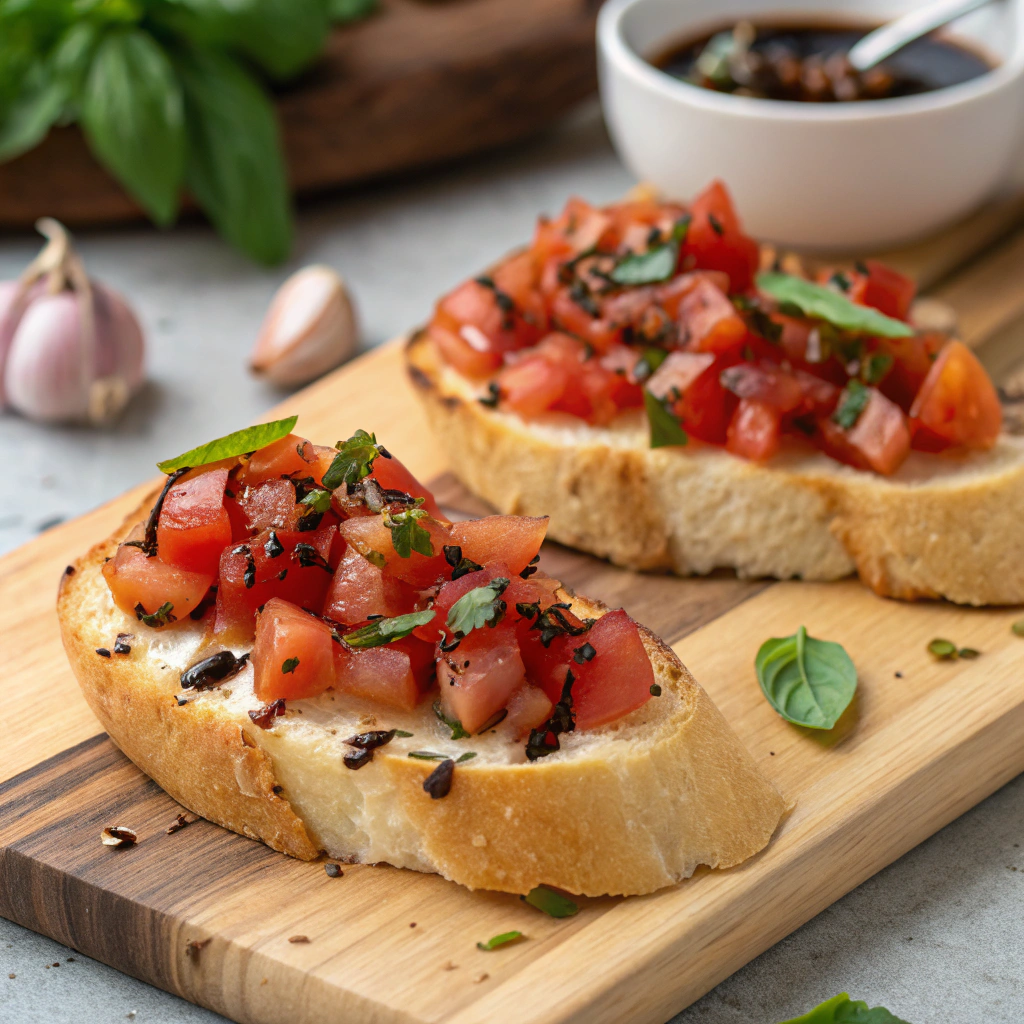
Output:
x=310 y=328
x=15 y=297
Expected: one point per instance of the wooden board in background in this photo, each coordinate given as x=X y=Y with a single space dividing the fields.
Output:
x=913 y=753
x=419 y=82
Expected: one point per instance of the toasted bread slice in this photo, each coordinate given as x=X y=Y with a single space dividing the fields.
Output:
x=624 y=809
x=941 y=527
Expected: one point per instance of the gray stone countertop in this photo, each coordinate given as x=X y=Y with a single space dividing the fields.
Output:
x=936 y=937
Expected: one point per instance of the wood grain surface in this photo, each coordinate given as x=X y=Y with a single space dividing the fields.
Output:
x=417 y=83
x=914 y=751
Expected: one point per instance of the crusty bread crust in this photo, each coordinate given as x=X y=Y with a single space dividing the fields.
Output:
x=626 y=809
x=941 y=527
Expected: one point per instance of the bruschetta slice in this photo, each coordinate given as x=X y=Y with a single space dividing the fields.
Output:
x=297 y=643
x=635 y=376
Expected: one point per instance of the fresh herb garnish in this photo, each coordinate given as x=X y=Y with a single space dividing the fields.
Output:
x=648 y=363
x=657 y=264
x=317 y=500
x=250 y=439
x=841 y=1009
x=809 y=682
x=505 y=939
x=946 y=650
x=426 y=755
x=273 y=548
x=852 y=402
x=666 y=430
x=493 y=396
x=383 y=631
x=584 y=653
x=553 y=903
x=552 y=621
x=1018 y=628
x=458 y=733
x=467 y=756
x=482 y=606
x=289 y=665
x=212 y=671
x=815 y=300
x=875 y=366
x=163 y=616
x=407 y=535
x=401 y=733
x=308 y=557
x=354 y=460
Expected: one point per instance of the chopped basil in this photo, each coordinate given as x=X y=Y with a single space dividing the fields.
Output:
x=290 y=665
x=458 y=733
x=383 y=631
x=648 y=363
x=427 y=755
x=163 y=616
x=553 y=903
x=354 y=460
x=946 y=650
x=482 y=606
x=841 y=1009
x=250 y=439
x=657 y=264
x=402 y=733
x=852 y=402
x=460 y=566
x=467 y=756
x=968 y=652
x=318 y=500
x=505 y=939
x=375 y=558
x=666 y=430
x=809 y=682
x=1018 y=628
x=875 y=366
x=584 y=653
x=407 y=535
x=815 y=300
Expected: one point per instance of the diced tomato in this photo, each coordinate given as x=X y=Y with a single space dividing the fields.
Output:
x=392 y=474
x=135 y=579
x=569 y=314
x=879 y=440
x=579 y=227
x=957 y=406
x=194 y=526
x=618 y=679
x=765 y=383
x=290 y=456
x=514 y=540
x=709 y=321
x=394 y=674
x=912 y=360
x=359 y=589
x=755 y=430
x=886 y=289
x=677 y=372
x=470 y=354
x=704 y=405
x=716 y=242
x=371 y=537
x=239 y=521
x=453 y=590
x=477 y=679
x=292 y=655
x=270 y=505
x=528 y=708
x=532 y=386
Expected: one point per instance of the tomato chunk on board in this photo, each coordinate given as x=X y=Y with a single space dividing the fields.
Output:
x=293 y=653
x=194 y=526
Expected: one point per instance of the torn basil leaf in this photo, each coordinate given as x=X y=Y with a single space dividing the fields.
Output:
x=250 y=439
x=553 y=903
x=482 y=606
x=289 y=665
x=666 y=430
x=163 y=616
x=383 y=631
x=427 y=755
x=407 y=535
x=852 y=402
x=354 y=460
x=500 y=940
x=458 y=733
x=317 y=501
x=809 y=682
x=841 y=1009
x=815 y=300
x=657 y=264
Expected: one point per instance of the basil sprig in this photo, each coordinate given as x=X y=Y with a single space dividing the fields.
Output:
x=665 y=428
x=852 y=402
x=809 y=682
x=407 y=535
x=823 y=303
x=169 y=96
x=481 y=606
x=383 y=631
x=841 y=1009
x=552 y=903
x=250 y=439
x=657 y=264
x=354 y=460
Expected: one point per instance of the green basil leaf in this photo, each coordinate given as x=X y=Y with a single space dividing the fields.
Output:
x=234 y=167
x=289 y=665
x=133 y=117
x=554 y=904
x=250 y=439
x=500 y=940
x=665 y=428
x=354 y=460
x=163 y=616
x=427 y=755
x=809 y=682
x=657 y=264
x=944 y=650
x=407 y=535
x=852 y=402
x=875 y=366
x=26 y=121
x=383 y=631
x=1018 y=628
x=350 y=10
x=816 y=300
x=467 y=756
x=841 y=1009
x=481 y=606
x=318 y=500
x=458 y=733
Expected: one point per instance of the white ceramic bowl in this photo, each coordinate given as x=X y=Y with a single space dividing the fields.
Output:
x=823 y=176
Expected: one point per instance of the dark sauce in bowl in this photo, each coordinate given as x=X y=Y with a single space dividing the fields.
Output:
x=807 y=62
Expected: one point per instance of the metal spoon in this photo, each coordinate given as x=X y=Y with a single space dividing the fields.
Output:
x=885 y=41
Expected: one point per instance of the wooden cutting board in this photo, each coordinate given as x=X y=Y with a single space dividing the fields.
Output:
x=419 y=82
x=209 y=915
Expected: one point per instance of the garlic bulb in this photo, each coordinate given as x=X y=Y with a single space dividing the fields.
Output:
x=309 y=328
x=71 y=349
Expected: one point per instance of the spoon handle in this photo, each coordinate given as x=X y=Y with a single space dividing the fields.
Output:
x=885 y=41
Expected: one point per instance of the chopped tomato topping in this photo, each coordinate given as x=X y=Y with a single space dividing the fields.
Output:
x=392 y=474
x=957 y=406
x=360 y=589
x=879 y=440
x=194 y=525
x=528 y=708
x=270 y=505
x=514 y=540
x=292 y=655
x=716 y=241
x=372 y=538
x=754 y=430
x=290 y=456
x=395 y=674
x=886 y=289
x=709 y=320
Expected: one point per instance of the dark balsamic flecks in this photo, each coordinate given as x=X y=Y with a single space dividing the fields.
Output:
x=366 y=743
x=333 y=870
x=103 y=652
x=212 y=670
x=273 y=547
x=264 y=717
x=544 y=741
x=439 y=782
x=121 y=645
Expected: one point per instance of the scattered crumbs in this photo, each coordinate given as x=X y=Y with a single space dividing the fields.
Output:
x=69 y=570
x=71 y=959
x=118 y=837
x=898 y=675
x=479 y=841
x=12 y=975
x=130 y=1015
x=449 y=966
x=333 y=870
x=57 y=964
x=482 y=976
x=771 y=753
x=278 y=789
x=298 y=938
x=1010 y=867
x=179 y=824
x=103 y=652
x=182 y=701
x=412 y=924
x=264 y=981
x=195 y=946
